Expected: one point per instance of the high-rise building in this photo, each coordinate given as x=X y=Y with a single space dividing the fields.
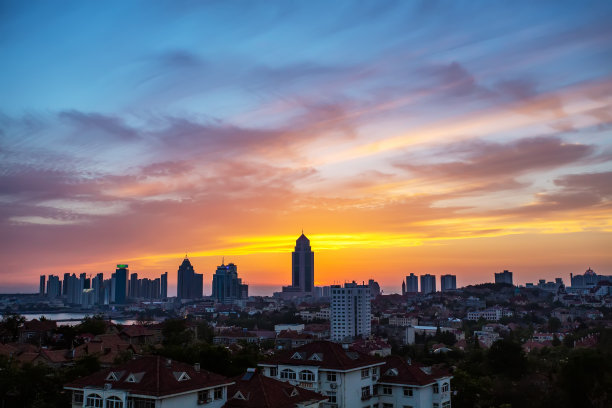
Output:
x=41 y=288
x=374 y=288
x=65 y=284
x=448 y=282
x=504 y=277
x=428 y=283
x=403 y=288
x=133 y=291
x=227 y=287
x=164 y=285
x=189 y=283
x=412 y=283
x=54 y=286
x=302 y=269
x=121 y=284
x=350 y=311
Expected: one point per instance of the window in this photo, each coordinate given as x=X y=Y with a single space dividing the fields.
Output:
x=374 y=370
x=307 y=375
x=445 y=387
x=273 y=371
x=218 y=393
x=94 y=401
x=135 y=402
x=407 y=406
x=365 y=393
x=365 y=373
x=446 y=404
x=287 y=374
x=332 y=396
x=436 y=405
x=331 y=377
x=77 y=397
x=408 y=391
x=387 y=390
x=387 y=405
x=436 y=388
x=203 y=395
x=114 y=402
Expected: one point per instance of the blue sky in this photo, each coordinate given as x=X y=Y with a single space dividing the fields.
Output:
x=487 y=119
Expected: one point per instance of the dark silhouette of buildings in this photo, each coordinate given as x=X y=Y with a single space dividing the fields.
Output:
x=412 y=283
x=428 y=283
x=503 y=277
x=227 y=287
x=190 y=284
x=448 y=282
x=119 y=280
x=302 y=269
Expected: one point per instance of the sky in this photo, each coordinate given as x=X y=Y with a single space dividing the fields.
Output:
x=461 y=137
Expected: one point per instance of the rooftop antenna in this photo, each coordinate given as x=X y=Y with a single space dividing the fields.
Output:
x=222 y=261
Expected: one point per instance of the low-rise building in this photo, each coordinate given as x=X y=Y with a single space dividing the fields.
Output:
x=150 y=382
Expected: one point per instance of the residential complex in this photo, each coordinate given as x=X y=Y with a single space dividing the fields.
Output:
x=350 y=311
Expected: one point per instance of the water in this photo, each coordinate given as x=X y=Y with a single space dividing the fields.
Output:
x=75 y=318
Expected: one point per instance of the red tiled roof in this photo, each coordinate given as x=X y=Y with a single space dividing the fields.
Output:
x=137 y=331
x=39 y=326
x=159 y=378
x=260 y=391
x=406 y=374
x=330 y=356
x=290 y=334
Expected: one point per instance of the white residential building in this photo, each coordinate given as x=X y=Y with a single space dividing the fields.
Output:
x=150 y=382
x=346 y=377
x=354 y=380
x=350 y=311
x=493 y=314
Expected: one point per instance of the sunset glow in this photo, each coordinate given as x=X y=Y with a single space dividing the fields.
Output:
x=451 y=137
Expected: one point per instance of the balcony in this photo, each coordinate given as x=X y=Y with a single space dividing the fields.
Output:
x=366 y=397
x=442 y=396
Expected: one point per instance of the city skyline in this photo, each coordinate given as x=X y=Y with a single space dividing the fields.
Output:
x=460 y=138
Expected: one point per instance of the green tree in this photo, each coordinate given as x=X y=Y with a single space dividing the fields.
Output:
x=507 y=358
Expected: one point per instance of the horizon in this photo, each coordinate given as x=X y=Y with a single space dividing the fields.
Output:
x=460 y=138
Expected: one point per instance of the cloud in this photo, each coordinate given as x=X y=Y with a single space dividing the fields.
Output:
x=486 y=160
x=95 y=125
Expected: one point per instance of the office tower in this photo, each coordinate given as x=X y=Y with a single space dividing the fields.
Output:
x=121 y=284
x=448 y=282
x=54 y=286
x=41 y=287
x=227 y=287
x=302 y=265
x=350 y=311
x=190 y=284
x=133 y=291
x=302 y=270
x=164 y=286
x=155 y=288
x=503 y=277
x=65 y=284
x=412 y=283
x=374 y=288
x=428 y=283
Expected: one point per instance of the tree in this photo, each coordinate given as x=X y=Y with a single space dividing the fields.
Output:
x=9 y=327
x=554 y=325
x=507 y=358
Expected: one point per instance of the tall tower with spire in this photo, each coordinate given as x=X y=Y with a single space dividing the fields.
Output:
x=302 y=266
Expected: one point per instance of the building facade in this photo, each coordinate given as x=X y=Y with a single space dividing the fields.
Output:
x=302 y=270
x=503 y=277
x=189 y=283
x=350 y=311
x=448 y=282
x=412 y=283
x=227 y=287
x=150 y=382
x=428 y=284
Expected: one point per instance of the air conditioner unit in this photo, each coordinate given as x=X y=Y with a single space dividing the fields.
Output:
x=333 y=386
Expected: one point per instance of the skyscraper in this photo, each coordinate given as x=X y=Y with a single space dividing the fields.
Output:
x=41 y=288
x=54 y=286
x=189 y=283
x=133 y=287
x=448 y=282
x=350 y=311
x=412 y=283
x=302 y=269
x=428 y=283
x=164 y=285
x=121 y=283
x=503 y=277
x=227 y=287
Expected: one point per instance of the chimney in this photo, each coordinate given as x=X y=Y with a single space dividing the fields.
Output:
x=196 y=367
